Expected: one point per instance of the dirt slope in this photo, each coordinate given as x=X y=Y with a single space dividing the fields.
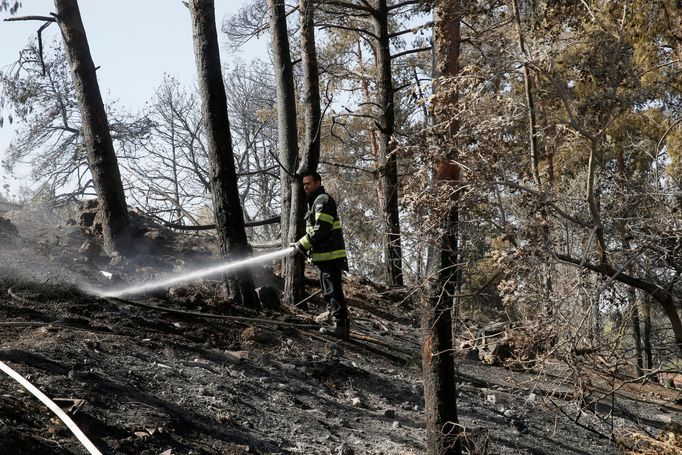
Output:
x=144 y=381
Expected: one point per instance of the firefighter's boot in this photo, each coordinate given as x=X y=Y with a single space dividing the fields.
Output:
x=340 y=328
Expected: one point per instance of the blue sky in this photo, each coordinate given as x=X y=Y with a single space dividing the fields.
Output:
x=133 y=42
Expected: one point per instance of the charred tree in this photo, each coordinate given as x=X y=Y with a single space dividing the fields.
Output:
x=646 y=335
x=310 y=155
x=95 y=130
x=389 y=164
x=227 y=208
x=286 y=105
x=439 y=296
x=288 y=147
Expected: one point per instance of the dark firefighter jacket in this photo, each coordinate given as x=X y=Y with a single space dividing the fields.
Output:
x=324 y=237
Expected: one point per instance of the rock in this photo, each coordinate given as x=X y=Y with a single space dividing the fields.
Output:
x=87 y=216
x=356 y=402
x=268 y=297
x=396 y=424
x=322 y=317
x=508 y=413
x=490 y=399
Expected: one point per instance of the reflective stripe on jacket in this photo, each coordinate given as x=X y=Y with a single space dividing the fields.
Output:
x=324 y=234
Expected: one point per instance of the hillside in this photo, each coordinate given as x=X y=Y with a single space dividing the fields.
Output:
x=141 y=380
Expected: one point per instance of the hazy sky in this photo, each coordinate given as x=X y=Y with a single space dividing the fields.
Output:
x=134 y=42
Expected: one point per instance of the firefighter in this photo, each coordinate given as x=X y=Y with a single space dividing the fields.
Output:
x=324 y=246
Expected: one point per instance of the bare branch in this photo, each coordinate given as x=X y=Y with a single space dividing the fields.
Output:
x=403 y=4
x=352 y=6
x=325 y=26
x=411 y=51
x=31 y=18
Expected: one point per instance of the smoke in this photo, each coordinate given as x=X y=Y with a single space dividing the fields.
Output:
x=188 y=276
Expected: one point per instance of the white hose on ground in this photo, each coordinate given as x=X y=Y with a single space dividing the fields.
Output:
x=53 y=407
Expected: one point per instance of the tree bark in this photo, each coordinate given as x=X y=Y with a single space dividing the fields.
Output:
x=286 y=106
x=388 y=164
x=95 y=130
x=227 y=208
x=438 y=309
x=646 y=313
x=310 y=155
x=636 y=330
x=293 y=268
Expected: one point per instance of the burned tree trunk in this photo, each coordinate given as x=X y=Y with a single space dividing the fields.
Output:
x=288 y=147
x=439 y=296
x=310 y=156
x=646 y=336
x=286 y=106
x=388 y=162
x=311 y=90
x=227 y=208
x=95 y=130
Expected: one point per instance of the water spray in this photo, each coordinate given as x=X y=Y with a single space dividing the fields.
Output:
x=190 y=276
